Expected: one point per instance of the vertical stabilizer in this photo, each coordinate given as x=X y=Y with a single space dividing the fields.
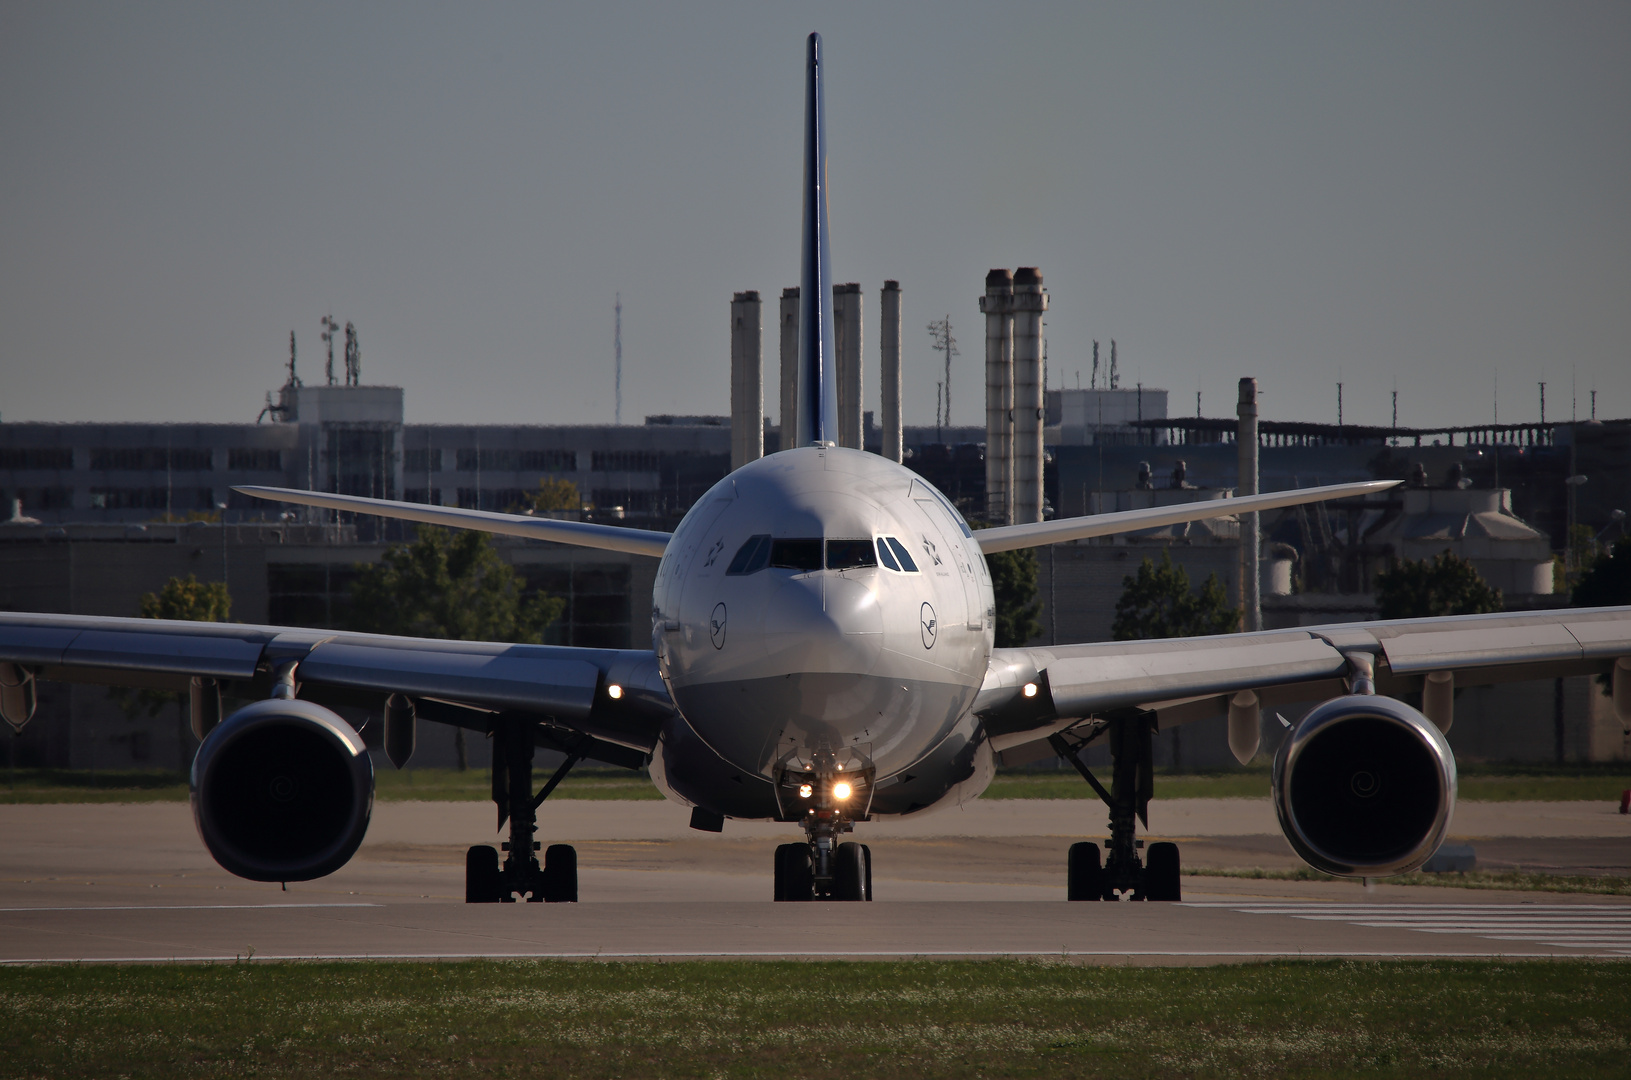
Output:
x=818 y=385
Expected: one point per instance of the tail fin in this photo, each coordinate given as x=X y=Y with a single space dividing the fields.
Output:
x=818 y=387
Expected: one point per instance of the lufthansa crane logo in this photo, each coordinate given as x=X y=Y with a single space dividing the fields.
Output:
x=716 y=625
x=930 y=626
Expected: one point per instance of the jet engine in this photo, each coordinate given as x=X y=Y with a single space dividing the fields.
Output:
x=282 y=791
x=1364 y=787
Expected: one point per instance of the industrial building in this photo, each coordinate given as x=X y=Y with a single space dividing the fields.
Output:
x=100 y=512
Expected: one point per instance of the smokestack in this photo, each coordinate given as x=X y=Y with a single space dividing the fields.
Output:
x=998 y=305
x=1246 y=445
x=889 y=371
x=1030 y=301
x=747 y=380
x=790 y=367
x=846 y=314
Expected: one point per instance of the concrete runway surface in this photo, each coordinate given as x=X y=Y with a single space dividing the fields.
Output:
x=133 y=883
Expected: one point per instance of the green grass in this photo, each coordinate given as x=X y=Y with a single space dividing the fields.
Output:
x=1593 y=782
x=1509 y=880
x=1479 y=783
x=818 y=1020
x=439 y=785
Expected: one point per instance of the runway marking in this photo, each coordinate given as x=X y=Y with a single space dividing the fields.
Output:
x=1602 y=927
x=184 y=907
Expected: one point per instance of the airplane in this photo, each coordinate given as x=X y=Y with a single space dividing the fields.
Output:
x=822 y=654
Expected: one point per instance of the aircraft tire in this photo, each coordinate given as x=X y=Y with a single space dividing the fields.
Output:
x=850 y=873
x=1161 y=872
x=481 y=875
x=561 y=874
x=868 y=853
x=1084 y=876
x=795 y=878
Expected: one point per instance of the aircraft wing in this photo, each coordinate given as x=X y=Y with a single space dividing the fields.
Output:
x=1186 y=679
x=1035 y=534
x=464 y=683
x=577 y=533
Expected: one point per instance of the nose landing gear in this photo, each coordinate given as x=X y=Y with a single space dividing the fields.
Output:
x=1132 y=785
x=556 y=880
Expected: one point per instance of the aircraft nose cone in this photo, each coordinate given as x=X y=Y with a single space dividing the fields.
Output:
x=828 y=623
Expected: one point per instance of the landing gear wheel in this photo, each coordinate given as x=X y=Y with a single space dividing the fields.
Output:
x=1161 y=872
x=868 y=853
x=795 y=877
x=850 y=877
x=560 y=884
x=481 y=880
x=1084 y=875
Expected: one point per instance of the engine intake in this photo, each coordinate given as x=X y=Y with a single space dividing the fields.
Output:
x=282 y=791
x=1364 y=787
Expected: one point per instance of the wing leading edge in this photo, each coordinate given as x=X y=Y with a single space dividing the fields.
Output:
x=577 y=533
x=457 y=682
x=1187 y=679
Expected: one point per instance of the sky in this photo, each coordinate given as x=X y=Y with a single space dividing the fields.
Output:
x=1428 y=198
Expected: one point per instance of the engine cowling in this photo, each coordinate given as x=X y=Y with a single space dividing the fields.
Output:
x=282 y=791
x=1364 y=787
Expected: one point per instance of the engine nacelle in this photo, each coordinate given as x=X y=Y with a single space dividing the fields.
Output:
x=282 y=791
x=1364 y=787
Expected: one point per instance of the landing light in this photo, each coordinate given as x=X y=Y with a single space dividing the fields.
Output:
x=840 y=791
x=1030 y=689
x=805 y=791
x=614 y=691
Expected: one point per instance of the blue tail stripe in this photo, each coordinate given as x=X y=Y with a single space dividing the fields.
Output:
x=818 y=386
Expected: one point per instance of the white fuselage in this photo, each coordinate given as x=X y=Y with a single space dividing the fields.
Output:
x=786 y=638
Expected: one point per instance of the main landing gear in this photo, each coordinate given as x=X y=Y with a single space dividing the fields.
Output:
x=1132 y=785
x=485 y=881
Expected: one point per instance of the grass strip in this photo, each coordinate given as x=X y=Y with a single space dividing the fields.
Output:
x=1478 y=783
x=1505 y=880
x=818 y=1020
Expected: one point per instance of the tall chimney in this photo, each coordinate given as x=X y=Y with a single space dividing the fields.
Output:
x=1030 y=301
x=846 y=313
x=889 y=371
x=998 y=305
x=747 y=380
x=790 y=367
x=1246 y=445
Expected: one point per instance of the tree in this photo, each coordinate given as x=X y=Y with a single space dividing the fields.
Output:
x=1445 y=585
x=1607 y=582
x=192 y=601
x=554 y=493
x=1157 y=603
x=1013 y=580
x=450 y=585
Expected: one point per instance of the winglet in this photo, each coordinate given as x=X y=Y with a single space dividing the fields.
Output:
x=818 y=387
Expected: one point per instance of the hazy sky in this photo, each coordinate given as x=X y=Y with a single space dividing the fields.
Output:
x=1429 y=196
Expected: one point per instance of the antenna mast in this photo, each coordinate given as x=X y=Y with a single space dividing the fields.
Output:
x=940 y=332
x=329 y=326
x=617 y=343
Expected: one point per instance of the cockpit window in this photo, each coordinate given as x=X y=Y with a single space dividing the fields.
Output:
x=850 y=554
x=752 y=556
x=901 y=553
x=796 y=554
x=886 y=556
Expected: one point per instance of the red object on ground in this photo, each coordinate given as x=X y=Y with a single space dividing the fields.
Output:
x=1625 y=801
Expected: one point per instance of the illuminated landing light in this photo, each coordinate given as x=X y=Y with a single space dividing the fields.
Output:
x=1030 y=689
x=841 y=791
x=805 y=791
x=614 y=691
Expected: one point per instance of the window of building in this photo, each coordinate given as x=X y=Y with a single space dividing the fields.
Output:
x=597 y=614
x=624 y=461
x=178 y=500
x=426 y=459
x=433 y=496
x=149 y=459
x=308 y=594
x=42 y=498
x=470 y=459
x=42 y=457
x=248 y=459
